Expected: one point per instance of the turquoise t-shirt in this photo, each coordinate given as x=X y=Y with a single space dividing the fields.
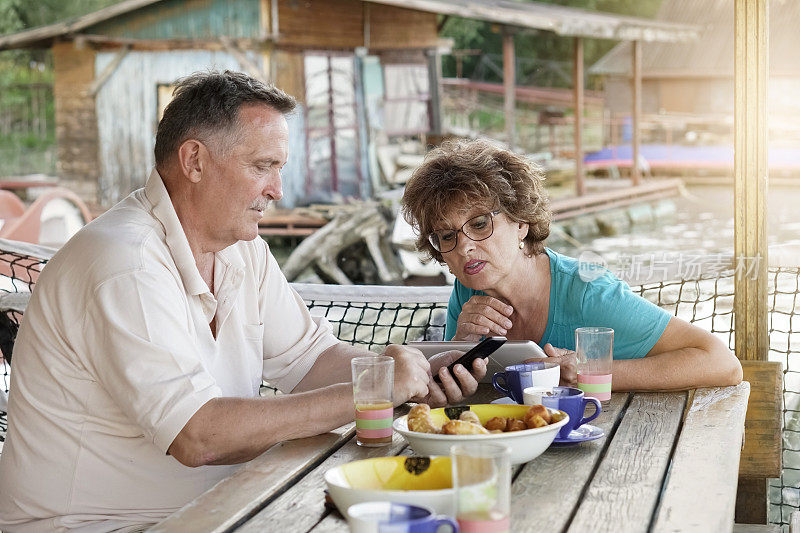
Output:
x=603 y=301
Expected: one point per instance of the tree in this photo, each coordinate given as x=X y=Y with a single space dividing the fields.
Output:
x=539 y=53
x=19 y=15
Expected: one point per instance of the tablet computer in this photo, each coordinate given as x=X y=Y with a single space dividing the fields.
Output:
x=510 y=353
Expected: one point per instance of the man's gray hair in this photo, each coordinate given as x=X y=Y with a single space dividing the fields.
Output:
x=206 y=105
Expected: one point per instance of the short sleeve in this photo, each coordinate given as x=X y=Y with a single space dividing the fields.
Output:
x=458 y=298
x=637 y=323
x=453 y=310
x=293 y=339
x=144 y=355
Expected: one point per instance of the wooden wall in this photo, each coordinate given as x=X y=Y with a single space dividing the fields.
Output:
x=394 y=27
x=76 y=119
x=339 y=24
x=127 y=118
x=289 y=72
x=127 y=112
x=618 y=95
x=700 y=96
x=186 y=19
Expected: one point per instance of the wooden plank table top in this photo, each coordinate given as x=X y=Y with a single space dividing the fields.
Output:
x=669 y=461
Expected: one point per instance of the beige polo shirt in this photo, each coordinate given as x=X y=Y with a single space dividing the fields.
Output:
x=115 y=355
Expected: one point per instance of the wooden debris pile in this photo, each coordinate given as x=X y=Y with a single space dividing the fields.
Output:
x=398 y=161
x=352 y=248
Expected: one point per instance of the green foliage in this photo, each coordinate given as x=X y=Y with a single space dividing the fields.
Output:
x=19 y=15
x=538 y=52
x=27 y=132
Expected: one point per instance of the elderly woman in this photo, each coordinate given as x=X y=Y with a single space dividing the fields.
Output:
x=483 y=211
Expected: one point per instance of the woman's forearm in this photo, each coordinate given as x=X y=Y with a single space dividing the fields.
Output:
x=681 y=369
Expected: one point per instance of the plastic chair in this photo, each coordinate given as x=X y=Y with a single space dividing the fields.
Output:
x=22 y=223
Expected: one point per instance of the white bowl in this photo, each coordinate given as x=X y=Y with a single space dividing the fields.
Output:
x=397 y=479
x=524 y=445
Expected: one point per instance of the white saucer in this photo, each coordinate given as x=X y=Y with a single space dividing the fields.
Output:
x=582 y=434
x=505 y=400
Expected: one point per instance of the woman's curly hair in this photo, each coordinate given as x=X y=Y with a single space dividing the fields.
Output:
x=468 y=173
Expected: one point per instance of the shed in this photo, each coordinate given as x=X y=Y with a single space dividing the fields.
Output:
x=696 y=76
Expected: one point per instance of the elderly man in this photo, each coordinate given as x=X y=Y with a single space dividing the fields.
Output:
x=138 y=365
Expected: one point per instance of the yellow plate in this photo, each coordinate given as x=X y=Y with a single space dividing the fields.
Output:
x=415 y=480
x=399 y=473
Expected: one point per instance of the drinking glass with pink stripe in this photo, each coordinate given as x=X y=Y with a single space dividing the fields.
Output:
x=373 y=377
x=482 y=483
x=595 y=351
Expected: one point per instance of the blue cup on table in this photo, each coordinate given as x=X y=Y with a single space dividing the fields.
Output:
x=390 y=517
x=573 y=402
x=517 y=378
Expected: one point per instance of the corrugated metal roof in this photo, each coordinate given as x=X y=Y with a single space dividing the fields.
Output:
x=181 y=19
x=711 y=54
x=561 y=20
x=567 y=21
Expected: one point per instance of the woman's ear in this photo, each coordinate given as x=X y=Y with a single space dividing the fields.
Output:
x=523 y=230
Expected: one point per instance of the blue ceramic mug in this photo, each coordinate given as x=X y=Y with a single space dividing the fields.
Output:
x=517 y=378
x=571 y=401
x=390 y=517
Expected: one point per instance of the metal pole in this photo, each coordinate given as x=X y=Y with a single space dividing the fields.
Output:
x=750 y=178
x=509 y=84
x=580 y=185
x=636 y=175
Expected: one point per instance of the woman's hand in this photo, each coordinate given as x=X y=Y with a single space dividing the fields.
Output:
x=566 y=359
x=482 y=316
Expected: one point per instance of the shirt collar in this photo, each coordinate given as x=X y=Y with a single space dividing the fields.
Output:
x=176 y=240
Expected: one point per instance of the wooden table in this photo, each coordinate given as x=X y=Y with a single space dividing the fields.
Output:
x=668 y=462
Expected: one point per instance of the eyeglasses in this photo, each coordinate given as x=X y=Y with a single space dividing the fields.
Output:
x=477 y=228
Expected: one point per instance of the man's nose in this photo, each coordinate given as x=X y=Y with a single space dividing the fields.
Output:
x=274 y=187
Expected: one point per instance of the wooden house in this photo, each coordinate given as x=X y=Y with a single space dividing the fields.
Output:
x=358 y=69
x=696 y=77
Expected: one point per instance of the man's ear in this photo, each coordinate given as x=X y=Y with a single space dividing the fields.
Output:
x=191 y=159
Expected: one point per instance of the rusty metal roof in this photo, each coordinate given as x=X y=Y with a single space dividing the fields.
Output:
x=566 y=21
x=711 y=55
x=561 y=20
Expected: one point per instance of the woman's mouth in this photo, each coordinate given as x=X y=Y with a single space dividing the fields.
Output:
x=474 y=266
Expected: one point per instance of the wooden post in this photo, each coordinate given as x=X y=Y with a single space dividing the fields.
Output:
x=435 y=91
x=580 y=185
x=750 y=178
x=636 y=141
x=750 y=209
x=509 y=84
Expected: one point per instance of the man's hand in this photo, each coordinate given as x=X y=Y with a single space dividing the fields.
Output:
x=411 y=373
x=451 y=391
x=482 y=316
x=566 y=359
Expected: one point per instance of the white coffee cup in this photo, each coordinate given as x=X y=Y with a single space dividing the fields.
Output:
x=533 y=395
